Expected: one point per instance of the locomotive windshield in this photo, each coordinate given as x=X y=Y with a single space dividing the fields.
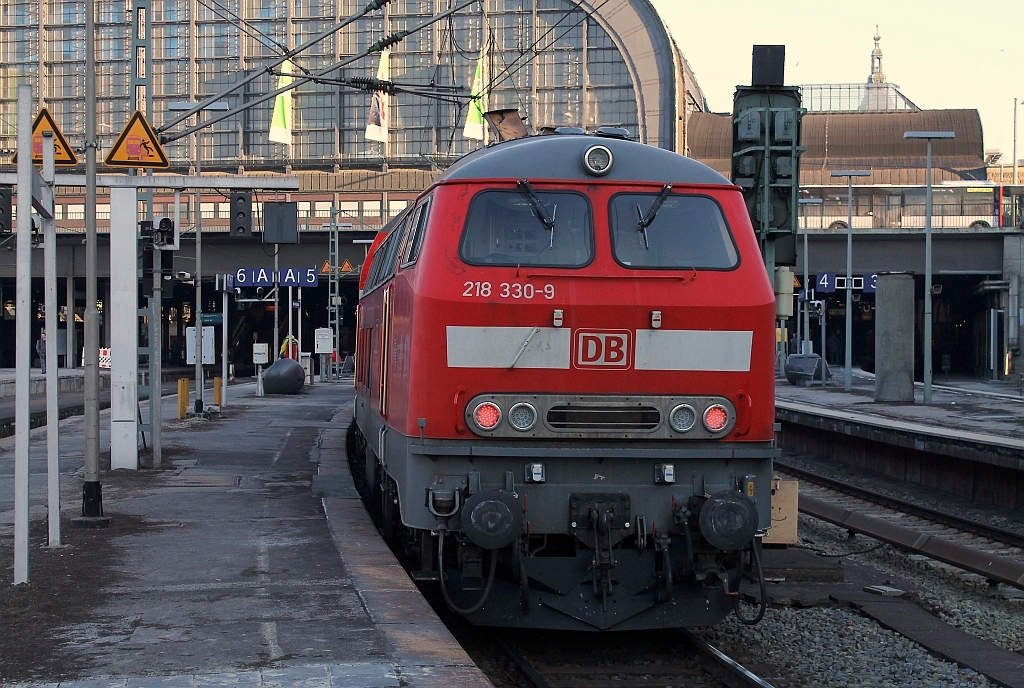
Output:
x=685 y=232
x=504 y=228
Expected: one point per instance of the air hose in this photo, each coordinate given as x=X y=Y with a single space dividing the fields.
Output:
x=755 y=554
x=444 y=588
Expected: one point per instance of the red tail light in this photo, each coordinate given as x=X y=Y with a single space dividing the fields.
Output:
x=487 y=415
x=716 y=418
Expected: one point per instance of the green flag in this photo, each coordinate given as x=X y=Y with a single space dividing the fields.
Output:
x=281 y=122
x=474 y=128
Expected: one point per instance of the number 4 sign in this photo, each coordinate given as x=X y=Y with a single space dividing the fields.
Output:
x=826 y=283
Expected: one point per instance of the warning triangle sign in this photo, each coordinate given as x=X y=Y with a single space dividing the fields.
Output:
x=326 y=268
x=137 y=146
x=347 y=266
x=62 y=152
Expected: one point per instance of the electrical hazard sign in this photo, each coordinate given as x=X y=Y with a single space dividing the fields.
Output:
x=62 y=151
x=346 y=266
x=137 y=146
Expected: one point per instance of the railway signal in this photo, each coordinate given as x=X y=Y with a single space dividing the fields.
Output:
x=165 y=234
x=6 y=196
x=766 y=129
x=241 y=214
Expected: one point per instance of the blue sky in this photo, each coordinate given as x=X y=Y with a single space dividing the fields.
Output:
x=942 y=54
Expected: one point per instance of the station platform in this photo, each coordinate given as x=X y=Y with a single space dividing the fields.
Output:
x=247 y=560
x=968 y=441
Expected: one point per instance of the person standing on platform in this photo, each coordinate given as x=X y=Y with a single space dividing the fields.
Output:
x=833 y=349
x=41 y=351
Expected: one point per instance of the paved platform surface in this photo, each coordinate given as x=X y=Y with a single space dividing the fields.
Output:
x=241 y=575
x=966 y=409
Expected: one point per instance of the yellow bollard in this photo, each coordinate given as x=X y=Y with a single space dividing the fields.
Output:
x=182 y=397
x=217 y=391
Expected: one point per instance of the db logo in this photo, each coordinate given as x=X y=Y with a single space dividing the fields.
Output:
x=603 y=349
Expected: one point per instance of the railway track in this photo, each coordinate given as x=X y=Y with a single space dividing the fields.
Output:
x=995 y=553
x=596 y=666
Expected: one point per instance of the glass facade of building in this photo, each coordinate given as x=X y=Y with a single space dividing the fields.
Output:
x=548 y=58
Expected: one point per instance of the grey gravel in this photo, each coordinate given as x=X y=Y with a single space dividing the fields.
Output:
x=955 y=596
x=825 y=646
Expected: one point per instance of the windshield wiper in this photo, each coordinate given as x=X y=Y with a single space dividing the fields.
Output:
x=538 y=209
x=645 y=221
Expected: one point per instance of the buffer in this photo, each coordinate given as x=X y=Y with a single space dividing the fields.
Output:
x=137 y=146
x=62 y=151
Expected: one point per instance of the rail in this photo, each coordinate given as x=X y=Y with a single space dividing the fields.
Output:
x=722 y=667
x=992 y=567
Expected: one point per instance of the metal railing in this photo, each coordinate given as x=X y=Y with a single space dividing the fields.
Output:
x=879 y=216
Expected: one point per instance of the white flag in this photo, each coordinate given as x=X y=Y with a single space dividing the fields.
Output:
x=377 y=118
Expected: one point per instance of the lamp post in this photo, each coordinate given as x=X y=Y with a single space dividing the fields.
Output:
x=848 y=360
x=198 y=311
x=928 y=136
x=805 y=341
x=1014 y=182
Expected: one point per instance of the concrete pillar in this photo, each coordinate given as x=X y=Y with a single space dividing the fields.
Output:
x=72 y=343
x=121 y=317
x=894 y=337
x=1013 y=270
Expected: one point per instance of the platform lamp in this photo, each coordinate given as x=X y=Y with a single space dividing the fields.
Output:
x=928 y=136
x=805 y=341
x=848 y=361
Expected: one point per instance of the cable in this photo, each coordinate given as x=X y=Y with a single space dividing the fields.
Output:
x=821 y=552
x=253 y=32
x=755 y=553
x=444 y=588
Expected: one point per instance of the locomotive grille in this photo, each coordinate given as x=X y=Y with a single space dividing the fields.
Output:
x=603 y=418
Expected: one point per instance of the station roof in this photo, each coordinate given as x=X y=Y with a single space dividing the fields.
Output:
x=863 y=140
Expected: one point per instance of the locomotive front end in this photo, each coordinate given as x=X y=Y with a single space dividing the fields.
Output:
x=584 y=433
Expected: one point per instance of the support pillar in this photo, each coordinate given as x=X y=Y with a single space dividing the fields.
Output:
x=121 y=314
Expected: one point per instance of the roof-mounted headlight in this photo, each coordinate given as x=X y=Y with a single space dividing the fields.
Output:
x=598 y=160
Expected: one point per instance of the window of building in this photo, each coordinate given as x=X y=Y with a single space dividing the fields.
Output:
x=348 y=210
x=322 y=208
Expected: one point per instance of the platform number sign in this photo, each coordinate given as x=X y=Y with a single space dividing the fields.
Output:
x=870 y=284
x=286 y=277
x=826 y=283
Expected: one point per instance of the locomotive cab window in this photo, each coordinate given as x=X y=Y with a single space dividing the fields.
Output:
x=417 y=228
x=385 y=260
x=665 y=231
x=524 y=227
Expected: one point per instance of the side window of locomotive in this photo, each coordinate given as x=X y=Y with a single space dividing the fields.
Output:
x=382 y=260
x=416 y=234
x=687 y=232
x=504 y=228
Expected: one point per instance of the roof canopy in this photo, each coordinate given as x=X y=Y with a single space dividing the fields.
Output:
x=863 y=140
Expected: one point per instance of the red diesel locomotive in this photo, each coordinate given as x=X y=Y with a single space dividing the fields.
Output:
x=565 y=386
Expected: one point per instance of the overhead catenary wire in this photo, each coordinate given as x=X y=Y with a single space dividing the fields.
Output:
x=375 y=48
x=369 y=7
x=244 y=25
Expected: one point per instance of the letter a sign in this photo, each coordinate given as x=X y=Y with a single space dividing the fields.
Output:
x=62 y=151
x=137 y=146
